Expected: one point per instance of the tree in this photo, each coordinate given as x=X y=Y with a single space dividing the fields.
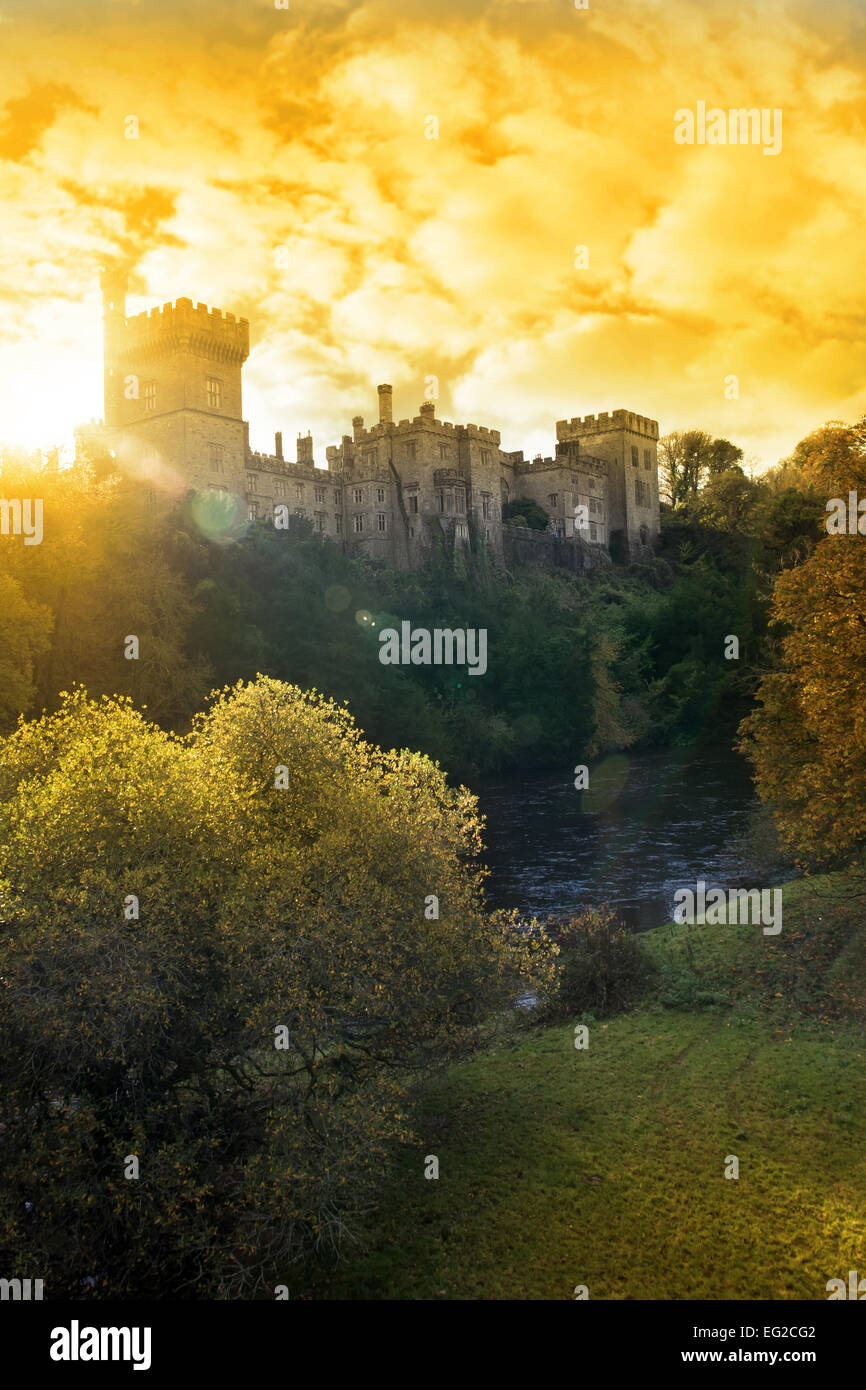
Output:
x=25 y=635
x=102 y=573
x=807 y=737
x=684 y=461
x=722 y=456
x=524 y=512
x=727 y=500
x=226 y=955
x=688 y=458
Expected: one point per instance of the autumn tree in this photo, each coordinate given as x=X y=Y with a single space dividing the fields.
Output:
x=226 y=957
x=807 y=737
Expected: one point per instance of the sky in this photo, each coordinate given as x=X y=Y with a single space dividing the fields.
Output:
x=283 y=171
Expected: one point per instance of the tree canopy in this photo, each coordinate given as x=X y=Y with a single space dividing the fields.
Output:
x=222 y=959
x=807 y=735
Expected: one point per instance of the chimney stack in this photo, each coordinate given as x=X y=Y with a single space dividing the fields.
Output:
x=428 y=410
x=278 y=445
x=385 y=405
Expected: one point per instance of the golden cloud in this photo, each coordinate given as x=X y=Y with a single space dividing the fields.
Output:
x=283 y=170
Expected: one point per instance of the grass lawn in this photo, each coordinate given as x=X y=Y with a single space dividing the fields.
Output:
x=605 y=1167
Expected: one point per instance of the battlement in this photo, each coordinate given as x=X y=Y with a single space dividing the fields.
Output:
x=388 y=427
x=184 y=324
x=271 y=463
x=601 y=424
x=480 y=432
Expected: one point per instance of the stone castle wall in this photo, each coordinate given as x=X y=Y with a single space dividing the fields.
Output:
x=391 y=490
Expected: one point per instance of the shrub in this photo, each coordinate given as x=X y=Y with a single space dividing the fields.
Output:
x=602 y=967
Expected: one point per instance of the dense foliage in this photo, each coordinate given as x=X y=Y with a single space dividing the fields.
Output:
x=577 y=666
x=807 y=735
x=230 y=979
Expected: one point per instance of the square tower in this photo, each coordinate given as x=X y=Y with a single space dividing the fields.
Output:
x=629 y=444
x=173 y=392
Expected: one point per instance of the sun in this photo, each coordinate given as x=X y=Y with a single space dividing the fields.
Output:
x=51 y=376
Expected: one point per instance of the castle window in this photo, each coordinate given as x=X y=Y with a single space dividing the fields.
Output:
x=461 y=500
x=380 y=494
x=634 y=456
x=357 y=523
x=338 y=495
x=553 y=499
x=358 y=498
x=410 y=449
x=217 y=489
x=485 y=455
x=338 y=522
x=460 y=530
x=443 y=451
x=320 y=521
x=486 y=505
x=150 y=395
x=647 y=458
x=641 y=493
x=319 y=494
x=381 y=522
x=216 y=459
x=593 y=531
x=214 y=393
x=370 y=458
x=412 y=532
x=253 y=510
x=299 y=491
x=413 y=502
x=252 y=482
x=279 y=487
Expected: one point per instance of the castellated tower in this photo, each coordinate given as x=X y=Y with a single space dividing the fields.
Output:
x=629 y=444
x=394 y=491
x=173 y=391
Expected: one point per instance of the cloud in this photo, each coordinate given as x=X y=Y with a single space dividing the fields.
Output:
x=25 y=119
x=283 y=172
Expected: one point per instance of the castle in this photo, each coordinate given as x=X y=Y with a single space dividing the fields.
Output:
x=391 y=490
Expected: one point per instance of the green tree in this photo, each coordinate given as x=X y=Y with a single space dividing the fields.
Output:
x=283 y=870
x=524 y=512
x=685 y=458
x=25 y=636
x=722 y=456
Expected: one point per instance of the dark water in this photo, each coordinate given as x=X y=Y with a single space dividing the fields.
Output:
x=649 y=824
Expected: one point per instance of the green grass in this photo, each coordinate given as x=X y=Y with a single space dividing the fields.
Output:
x=605 y=1167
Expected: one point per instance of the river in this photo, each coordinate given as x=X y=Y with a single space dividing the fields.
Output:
x=650 y=823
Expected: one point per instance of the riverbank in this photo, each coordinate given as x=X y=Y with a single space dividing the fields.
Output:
x=605 y=1167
